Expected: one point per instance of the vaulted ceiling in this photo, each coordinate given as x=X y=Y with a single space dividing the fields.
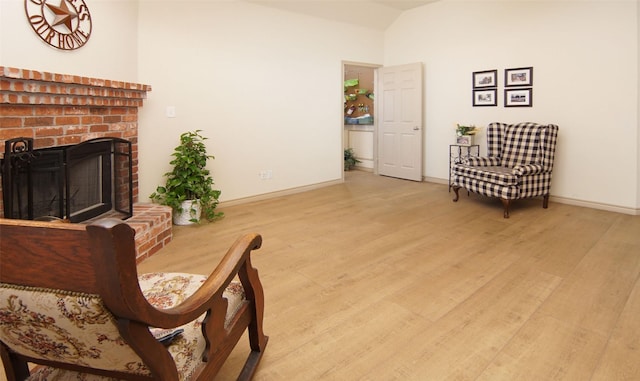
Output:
x=377 y=14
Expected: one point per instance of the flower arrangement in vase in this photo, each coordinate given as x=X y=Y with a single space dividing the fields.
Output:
x=465 y=134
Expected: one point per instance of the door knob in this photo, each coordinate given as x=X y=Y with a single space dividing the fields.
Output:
x=416 y=128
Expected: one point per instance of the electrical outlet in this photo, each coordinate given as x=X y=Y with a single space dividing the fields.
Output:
x=265 y=174
x=171 y=111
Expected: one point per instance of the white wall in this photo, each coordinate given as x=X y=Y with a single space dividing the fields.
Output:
x=263 y=84
x=110 y=53
x=585 y=79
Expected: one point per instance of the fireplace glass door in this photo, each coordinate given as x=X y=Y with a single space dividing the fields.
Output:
x=77 y=183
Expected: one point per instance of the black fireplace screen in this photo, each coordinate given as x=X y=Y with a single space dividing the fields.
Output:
x=76 y=183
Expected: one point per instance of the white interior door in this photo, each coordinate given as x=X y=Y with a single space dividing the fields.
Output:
x=400 y=122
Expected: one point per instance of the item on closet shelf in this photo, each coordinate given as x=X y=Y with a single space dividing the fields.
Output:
x=351 y=82
x=351 y=109
x=364 y=119
x=362 y=91
x=370 y=96
x=350 y=97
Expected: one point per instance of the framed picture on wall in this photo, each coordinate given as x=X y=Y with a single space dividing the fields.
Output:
x=517 y=97
x=487 y=78
x=486 y=97
x=522 y=76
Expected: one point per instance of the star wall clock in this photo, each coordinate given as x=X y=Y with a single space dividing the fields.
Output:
x=63 y=24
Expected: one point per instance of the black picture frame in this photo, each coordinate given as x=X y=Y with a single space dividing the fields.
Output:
x=485 y=97
x=521 y=76
x=518 y=97
x=483 y=79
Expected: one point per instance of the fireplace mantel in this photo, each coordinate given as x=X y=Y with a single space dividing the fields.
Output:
x=29 y=87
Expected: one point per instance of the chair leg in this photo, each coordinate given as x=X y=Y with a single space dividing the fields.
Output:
x=15 y=369
x=251 y=365
x=258 y=342
x=545 y=201
x=257 y=339
x=456 y=188
x=506 y=203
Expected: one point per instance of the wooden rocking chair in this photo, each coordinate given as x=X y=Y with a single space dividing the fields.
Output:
x=71 y=302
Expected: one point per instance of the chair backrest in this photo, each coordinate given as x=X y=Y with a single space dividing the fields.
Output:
x=495 y=133
x=522 y=143
x=55 y=282
x=548 y=142
x=64 y=327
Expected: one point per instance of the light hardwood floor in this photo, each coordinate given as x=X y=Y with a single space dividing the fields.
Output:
x=384 y=279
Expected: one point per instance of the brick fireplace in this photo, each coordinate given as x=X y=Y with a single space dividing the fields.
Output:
x=60 y=109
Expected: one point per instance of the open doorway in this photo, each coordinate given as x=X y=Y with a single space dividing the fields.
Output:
x=360 y=113
x=383 y=118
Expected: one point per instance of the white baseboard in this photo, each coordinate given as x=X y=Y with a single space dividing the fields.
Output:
x=284 y=192
x=435 y=180
x=596 y=205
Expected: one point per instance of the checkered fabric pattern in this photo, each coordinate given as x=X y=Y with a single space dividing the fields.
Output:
x=495 y=131
x=519 y=162
x=520 y=145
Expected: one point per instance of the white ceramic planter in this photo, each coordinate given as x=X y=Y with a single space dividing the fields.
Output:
x=465 y=140
x=190 y=210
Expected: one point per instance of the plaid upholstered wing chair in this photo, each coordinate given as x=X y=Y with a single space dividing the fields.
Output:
x=72 y=302
x=519 y=164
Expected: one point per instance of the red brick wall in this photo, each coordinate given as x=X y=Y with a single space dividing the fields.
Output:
x=58 y=109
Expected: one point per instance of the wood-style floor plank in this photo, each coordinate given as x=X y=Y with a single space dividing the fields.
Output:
x=621 y=359
x=547 y=349
x=385 y=279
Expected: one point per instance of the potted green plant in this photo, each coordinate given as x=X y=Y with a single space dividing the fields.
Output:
x=189 y=185
x=350 y=160
x=466 y=130
x=465 y=134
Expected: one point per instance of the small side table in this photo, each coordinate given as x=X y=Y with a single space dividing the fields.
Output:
x=458 y=153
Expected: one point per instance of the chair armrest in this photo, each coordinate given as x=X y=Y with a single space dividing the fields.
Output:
x=529 y=169
x=482 y=161
x=237 y=261
x=114 y=252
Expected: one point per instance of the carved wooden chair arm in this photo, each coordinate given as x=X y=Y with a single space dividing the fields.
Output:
x=131 y=303
x=236 y=262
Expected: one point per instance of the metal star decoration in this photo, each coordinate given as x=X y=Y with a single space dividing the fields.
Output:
x=64 y=15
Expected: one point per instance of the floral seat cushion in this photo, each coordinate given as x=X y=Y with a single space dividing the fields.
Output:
x=101 y=343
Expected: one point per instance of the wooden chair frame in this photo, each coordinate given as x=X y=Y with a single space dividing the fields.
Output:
x=100 y=259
